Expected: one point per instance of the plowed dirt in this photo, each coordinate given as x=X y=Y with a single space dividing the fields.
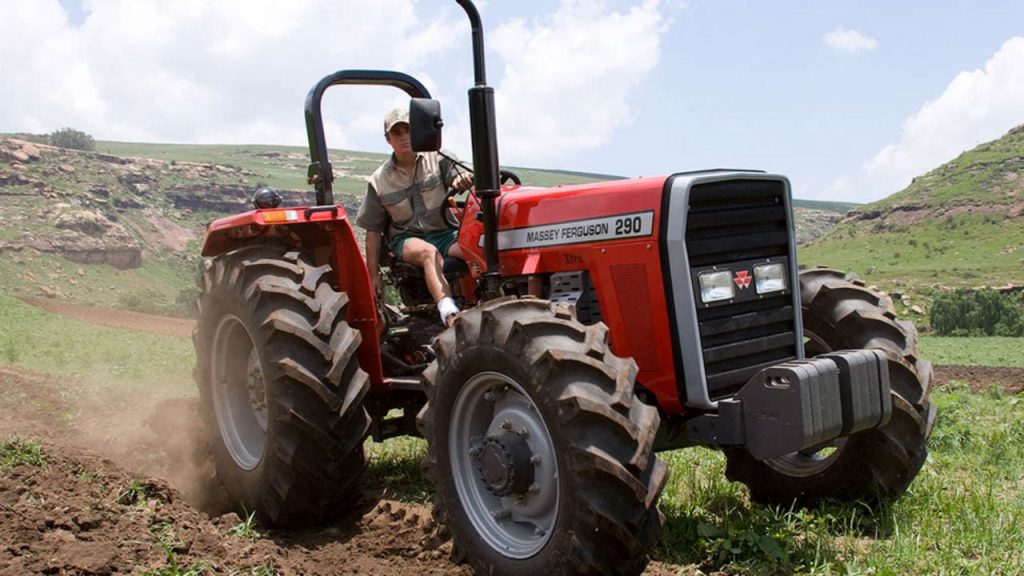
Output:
x=1010 y=380
x=110 y=500
x=125 y=491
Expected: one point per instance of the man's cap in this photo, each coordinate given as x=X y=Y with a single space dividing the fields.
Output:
x=396 y=116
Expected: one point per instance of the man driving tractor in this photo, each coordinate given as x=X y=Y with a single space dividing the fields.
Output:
x=403 y=206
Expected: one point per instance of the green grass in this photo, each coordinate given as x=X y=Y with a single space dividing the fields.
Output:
x=966 y=250
x=15 y=451
x=97 y=284
x=986 y=351
x=246 y=529
x=830 y=206
x=286 y=172
x=964 y=514
x=395 y=464
x=170 y=544
x=103 y=359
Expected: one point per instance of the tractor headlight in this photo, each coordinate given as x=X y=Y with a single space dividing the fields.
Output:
x=770 y=278
x=716 y=286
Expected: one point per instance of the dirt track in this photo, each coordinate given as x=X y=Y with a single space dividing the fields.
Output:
x=117 y=318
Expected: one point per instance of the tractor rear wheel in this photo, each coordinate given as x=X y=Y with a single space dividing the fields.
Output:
x=839 y=313
x=280 y=389
x=539 y=450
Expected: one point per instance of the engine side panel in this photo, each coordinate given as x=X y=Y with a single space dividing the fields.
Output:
x=611 y=230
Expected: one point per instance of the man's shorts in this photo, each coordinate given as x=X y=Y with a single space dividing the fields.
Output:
x=442 y=240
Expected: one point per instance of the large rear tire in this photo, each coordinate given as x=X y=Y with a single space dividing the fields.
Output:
x=839 y=313
x=280 y=388
x=539 y=450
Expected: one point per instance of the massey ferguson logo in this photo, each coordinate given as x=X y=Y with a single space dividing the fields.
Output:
x=742 y=279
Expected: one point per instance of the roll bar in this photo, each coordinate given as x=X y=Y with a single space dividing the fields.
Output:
x=320 y=173
x=482 y=129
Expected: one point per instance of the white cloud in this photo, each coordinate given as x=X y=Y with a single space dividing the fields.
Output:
x=978 y=105
x=197 y=71
x=850 y=41
x=568 y=76
x=237 y=71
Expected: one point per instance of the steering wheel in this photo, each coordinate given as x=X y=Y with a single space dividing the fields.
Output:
x=506 y=176
x=451 y=209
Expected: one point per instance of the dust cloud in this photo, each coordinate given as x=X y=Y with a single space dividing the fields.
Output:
x=147 y=433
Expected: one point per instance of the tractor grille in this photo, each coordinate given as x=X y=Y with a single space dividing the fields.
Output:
x=730 y=222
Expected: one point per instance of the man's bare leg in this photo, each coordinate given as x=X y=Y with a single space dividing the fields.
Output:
x=426 y=256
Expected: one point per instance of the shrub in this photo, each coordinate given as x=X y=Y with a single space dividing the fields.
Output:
x=71 y=138
x=978 y=313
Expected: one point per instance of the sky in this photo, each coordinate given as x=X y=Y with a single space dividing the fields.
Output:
x=849 y=99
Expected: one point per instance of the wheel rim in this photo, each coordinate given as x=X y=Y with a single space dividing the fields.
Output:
x=239 y=393
x=816 y=459
x=488 y=406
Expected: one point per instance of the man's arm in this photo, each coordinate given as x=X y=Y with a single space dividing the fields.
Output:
x=453 y=176
x=373 y=217
x=373 y=240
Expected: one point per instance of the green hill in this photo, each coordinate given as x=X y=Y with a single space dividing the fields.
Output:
x=960 y=225
x=121 y=225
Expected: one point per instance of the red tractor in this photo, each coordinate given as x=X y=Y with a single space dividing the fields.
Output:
x=601 y=323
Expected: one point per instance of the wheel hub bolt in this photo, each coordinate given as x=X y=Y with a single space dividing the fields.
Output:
x=535 y=460
x=534 y=488
x=506 y=424
x=524 y=432
x=503 y=514
x=489 y=396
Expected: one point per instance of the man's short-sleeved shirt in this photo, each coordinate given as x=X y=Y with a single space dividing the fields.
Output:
x=397 y=202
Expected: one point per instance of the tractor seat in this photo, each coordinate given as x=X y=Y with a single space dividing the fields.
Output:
x=453 y=268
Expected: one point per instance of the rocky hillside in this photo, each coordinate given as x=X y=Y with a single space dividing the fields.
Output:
x=959 y=225
x=115 y=229
x=121 y=226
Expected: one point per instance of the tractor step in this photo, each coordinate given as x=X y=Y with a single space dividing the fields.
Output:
x=801 y=403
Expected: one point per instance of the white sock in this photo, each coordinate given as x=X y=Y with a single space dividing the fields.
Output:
x=447 y=307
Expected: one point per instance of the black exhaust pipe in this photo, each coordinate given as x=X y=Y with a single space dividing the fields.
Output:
x=485 y=151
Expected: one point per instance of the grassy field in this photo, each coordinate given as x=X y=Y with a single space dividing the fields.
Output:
x=964 y=250
x=154 y=287
x=285 y=166
x=106 y=360
x=991 y=351
x=964 y=514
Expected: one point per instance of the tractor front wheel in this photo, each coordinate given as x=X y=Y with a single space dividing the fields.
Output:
x=279 y=386
x=540 y=452
x=840 y=313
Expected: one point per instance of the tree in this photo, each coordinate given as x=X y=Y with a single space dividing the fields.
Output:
x=73 y=139
x=978 y=313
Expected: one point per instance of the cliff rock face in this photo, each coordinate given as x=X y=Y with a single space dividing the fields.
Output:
x=226 y=198
x=102 y=209
x=40 y=187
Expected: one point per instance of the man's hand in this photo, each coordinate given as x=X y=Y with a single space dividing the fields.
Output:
x=378 y=285
x=464 y=181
